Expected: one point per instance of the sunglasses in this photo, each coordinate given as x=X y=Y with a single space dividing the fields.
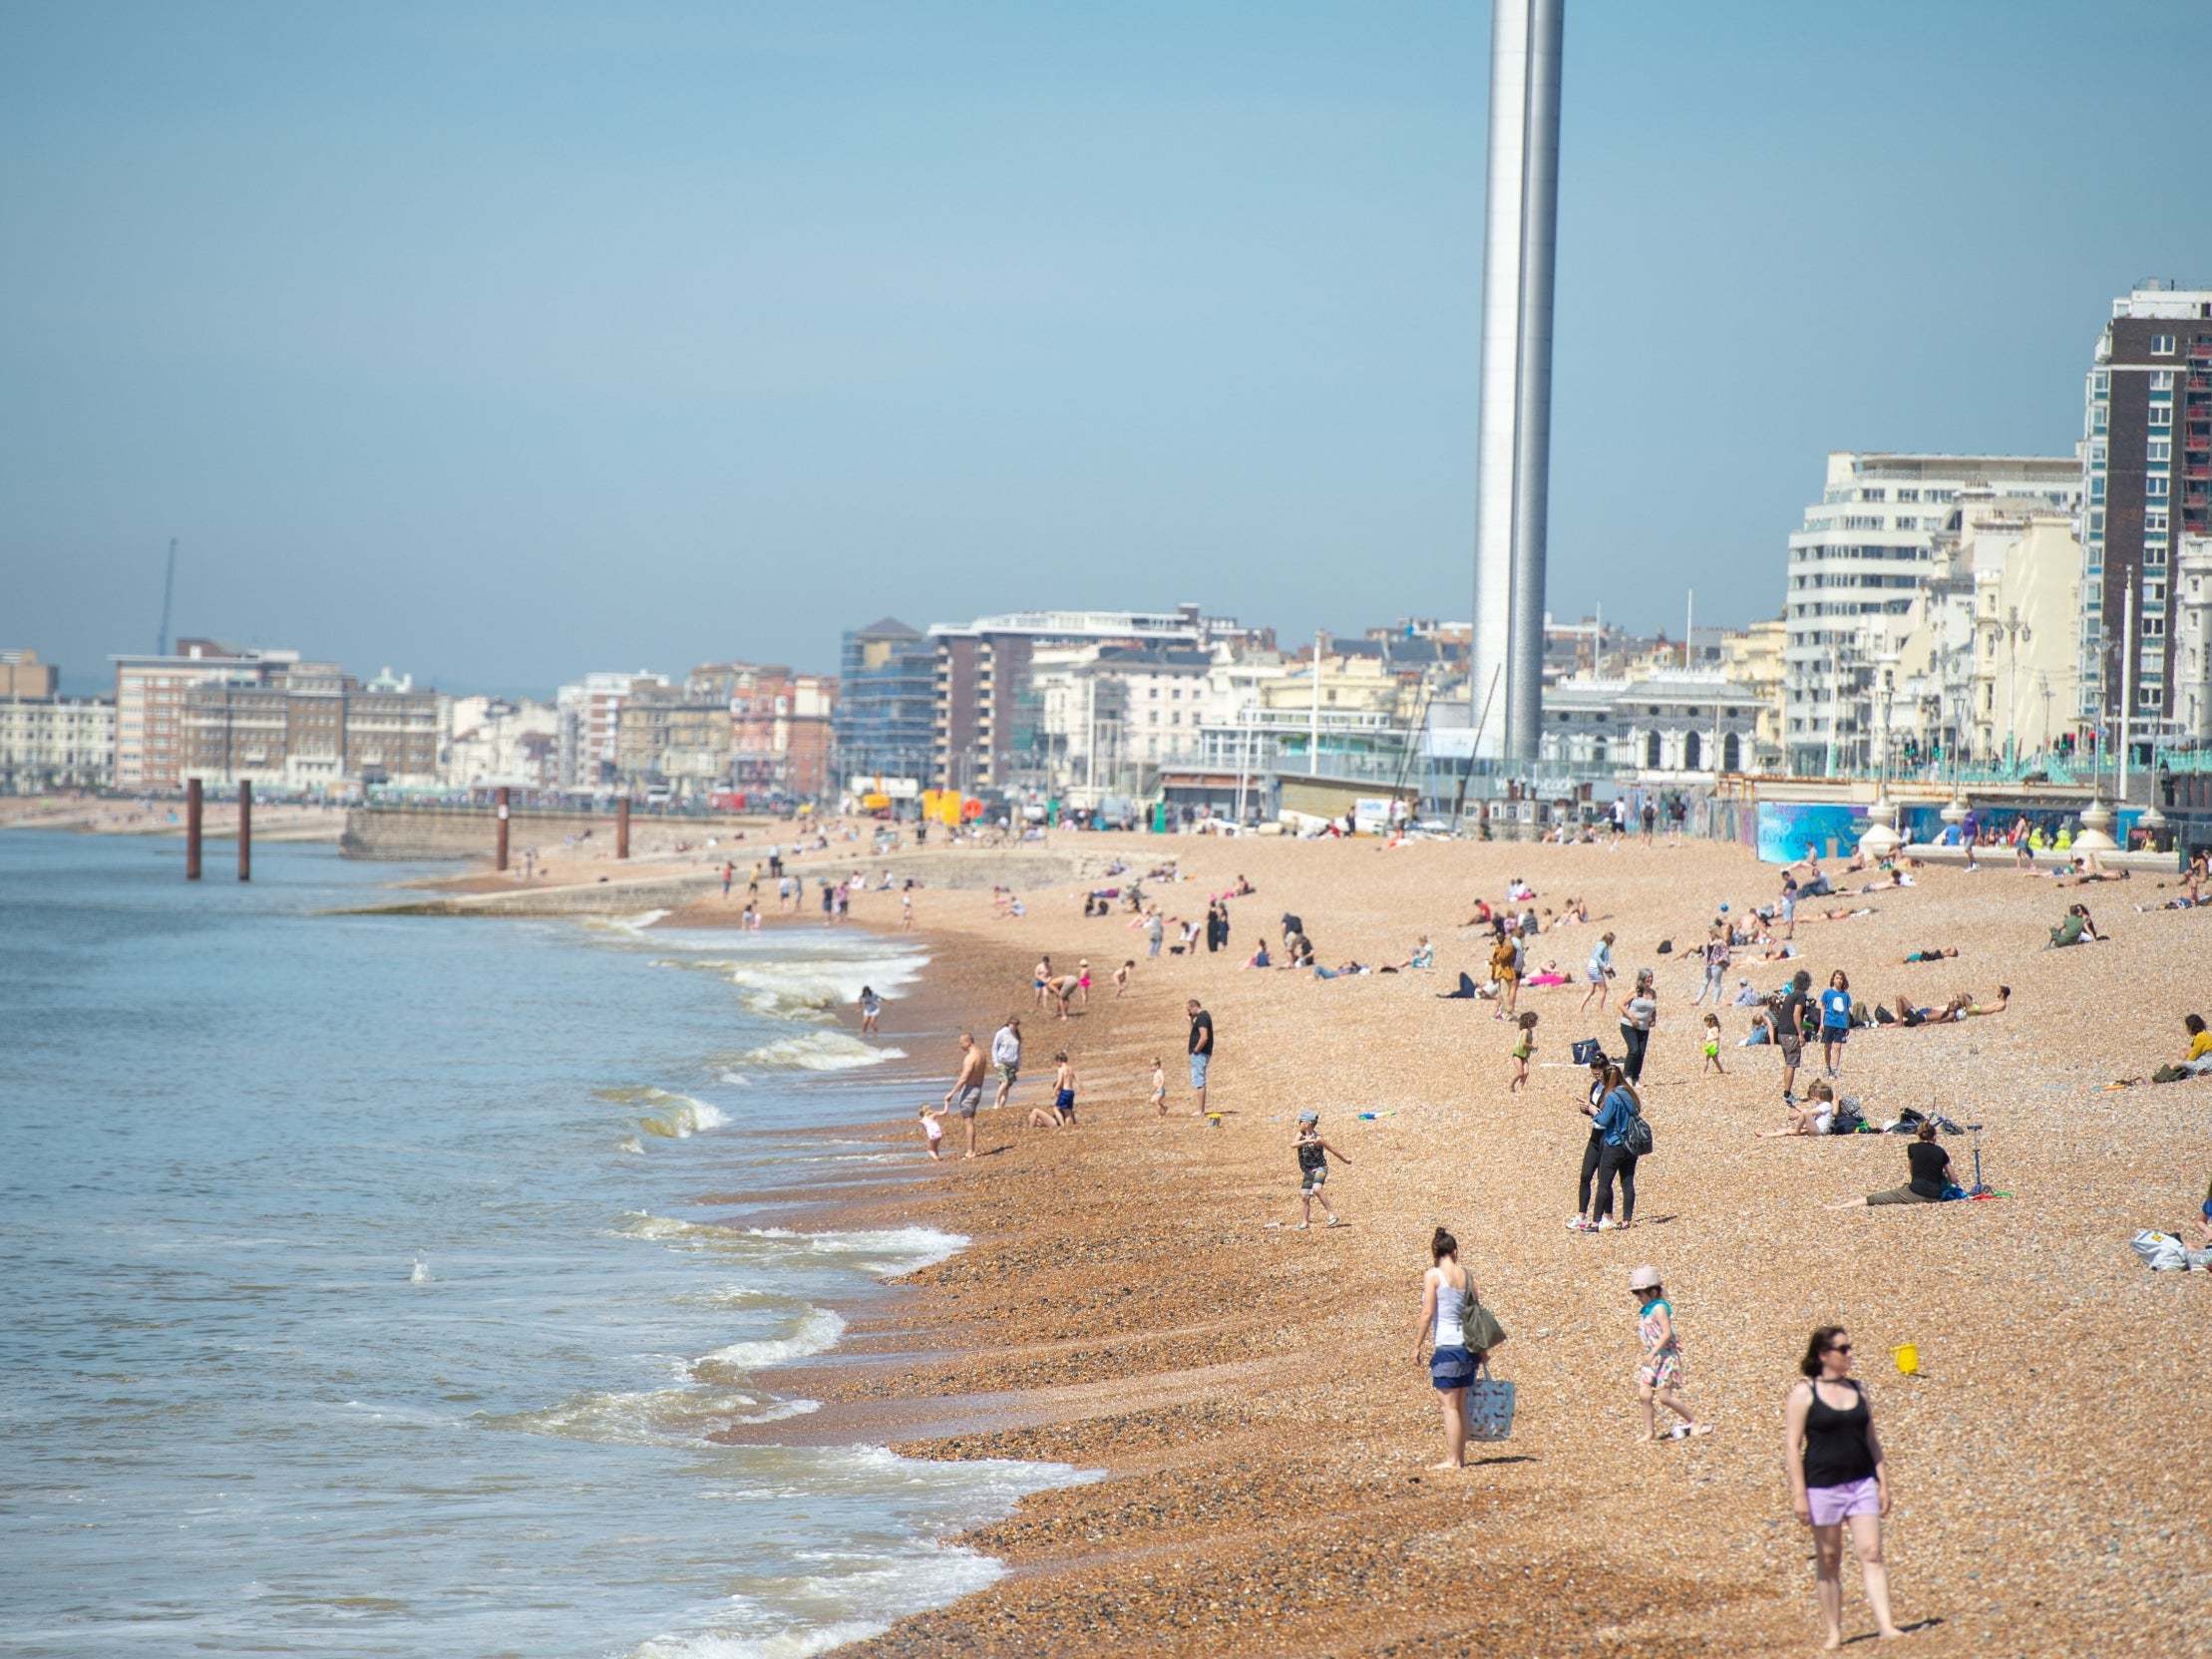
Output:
x=1839 y=1347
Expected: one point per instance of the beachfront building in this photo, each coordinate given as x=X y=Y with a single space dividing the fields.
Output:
x=2192 y=641
x=2147 y=480
x=590 y=710
x=1856 y=566
x=985 y=705
x=883 y=726
x=1670 y=722
x=1751 y=661
x=151 y=694
x=490 y=742
x=51 y=742
x=663 y=736
x=782 y=726
x=310 y=727
x=23 y=675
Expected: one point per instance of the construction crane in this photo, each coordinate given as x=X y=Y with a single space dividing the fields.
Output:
x=168 y=592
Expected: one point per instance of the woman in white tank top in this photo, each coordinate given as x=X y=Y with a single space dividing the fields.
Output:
x=1446 y=1290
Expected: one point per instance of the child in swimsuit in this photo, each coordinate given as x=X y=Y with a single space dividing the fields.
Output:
x=1712 y=1046
x=1522 y=1049
x=933 y=1132
x=1160 y=1087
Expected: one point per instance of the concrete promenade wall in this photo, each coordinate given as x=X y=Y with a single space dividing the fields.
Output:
x=470 y=832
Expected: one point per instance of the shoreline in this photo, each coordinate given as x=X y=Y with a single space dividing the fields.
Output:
x=1124 y=1304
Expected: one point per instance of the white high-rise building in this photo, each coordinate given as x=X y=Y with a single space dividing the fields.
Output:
x=1856 y=566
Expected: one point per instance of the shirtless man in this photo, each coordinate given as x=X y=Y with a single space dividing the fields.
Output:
x=967 y=1093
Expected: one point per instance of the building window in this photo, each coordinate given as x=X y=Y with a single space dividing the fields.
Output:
x=1874 y=494
x=2162 y=414
x=2161 y=449
x=2154 y=627
x=2154 y=519
x=2161 y=380
x=2161 y=345
x=2155 y=488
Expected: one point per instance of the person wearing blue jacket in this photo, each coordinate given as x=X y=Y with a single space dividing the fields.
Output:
x=1618 y=1111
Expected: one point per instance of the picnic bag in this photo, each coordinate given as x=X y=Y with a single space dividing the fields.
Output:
x=1586 y=1050
x=1479 y=1328
x=1489 y=1407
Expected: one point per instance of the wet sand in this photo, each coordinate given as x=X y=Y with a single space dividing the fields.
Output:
x=1136 y=1298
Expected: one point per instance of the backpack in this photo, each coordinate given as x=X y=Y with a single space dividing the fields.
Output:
x=1638 y=1141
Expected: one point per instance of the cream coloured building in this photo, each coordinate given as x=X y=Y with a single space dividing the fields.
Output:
x=56 y=743
x=1751 y=661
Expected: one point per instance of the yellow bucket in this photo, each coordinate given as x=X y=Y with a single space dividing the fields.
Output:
x=1908 y=1359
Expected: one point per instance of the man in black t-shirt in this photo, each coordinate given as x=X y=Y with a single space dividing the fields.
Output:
x=1201 y=1049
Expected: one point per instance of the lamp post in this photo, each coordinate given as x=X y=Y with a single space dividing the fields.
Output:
x=2015 y=631
x=2097 y=818
x=1881 y=837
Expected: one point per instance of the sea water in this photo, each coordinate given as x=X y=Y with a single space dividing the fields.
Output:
x=359 y=1294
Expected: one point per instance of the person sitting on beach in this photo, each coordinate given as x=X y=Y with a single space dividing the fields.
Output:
x=1930 y=1173
x=2077 y=928
x=1424 y=954
x=1259 y=957
x=1575 y=913
x=1482 y=916
x=1931 y=953
x=1815 y=1116
x=1745 y=996
x=1242 y=888
x=2197 y=1061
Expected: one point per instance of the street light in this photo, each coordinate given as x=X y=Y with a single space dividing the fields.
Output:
x=2015 y=631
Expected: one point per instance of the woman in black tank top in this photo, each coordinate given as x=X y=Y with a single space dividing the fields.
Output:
x=1837 y=1478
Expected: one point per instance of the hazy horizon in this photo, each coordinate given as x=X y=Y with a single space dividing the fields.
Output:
x=504 y=343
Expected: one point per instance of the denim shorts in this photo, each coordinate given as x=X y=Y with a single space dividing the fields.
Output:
x=1198 y=1067
x=1452 y=1367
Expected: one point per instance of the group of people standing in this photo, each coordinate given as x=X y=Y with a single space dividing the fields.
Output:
x=1832 y=1460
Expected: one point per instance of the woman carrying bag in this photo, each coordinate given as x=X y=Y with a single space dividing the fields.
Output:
x=1461 y=1330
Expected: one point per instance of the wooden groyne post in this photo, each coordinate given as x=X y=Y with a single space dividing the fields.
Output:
x=499 y=858
x=245 y=831
x=191 y=828
x=622 y=828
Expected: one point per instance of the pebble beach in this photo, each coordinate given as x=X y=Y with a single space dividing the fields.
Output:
x=1137 y=1298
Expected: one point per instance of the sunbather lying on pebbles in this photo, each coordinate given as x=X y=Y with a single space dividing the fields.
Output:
x=1930 y=953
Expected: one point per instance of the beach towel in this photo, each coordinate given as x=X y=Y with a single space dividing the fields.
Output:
x=1466 y=989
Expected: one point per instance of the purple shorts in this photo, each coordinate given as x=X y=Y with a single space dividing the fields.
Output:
x=1831 y=1505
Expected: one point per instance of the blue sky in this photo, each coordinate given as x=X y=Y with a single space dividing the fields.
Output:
x=503 y=342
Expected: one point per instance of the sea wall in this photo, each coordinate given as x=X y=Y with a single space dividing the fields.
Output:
x=471 y=831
